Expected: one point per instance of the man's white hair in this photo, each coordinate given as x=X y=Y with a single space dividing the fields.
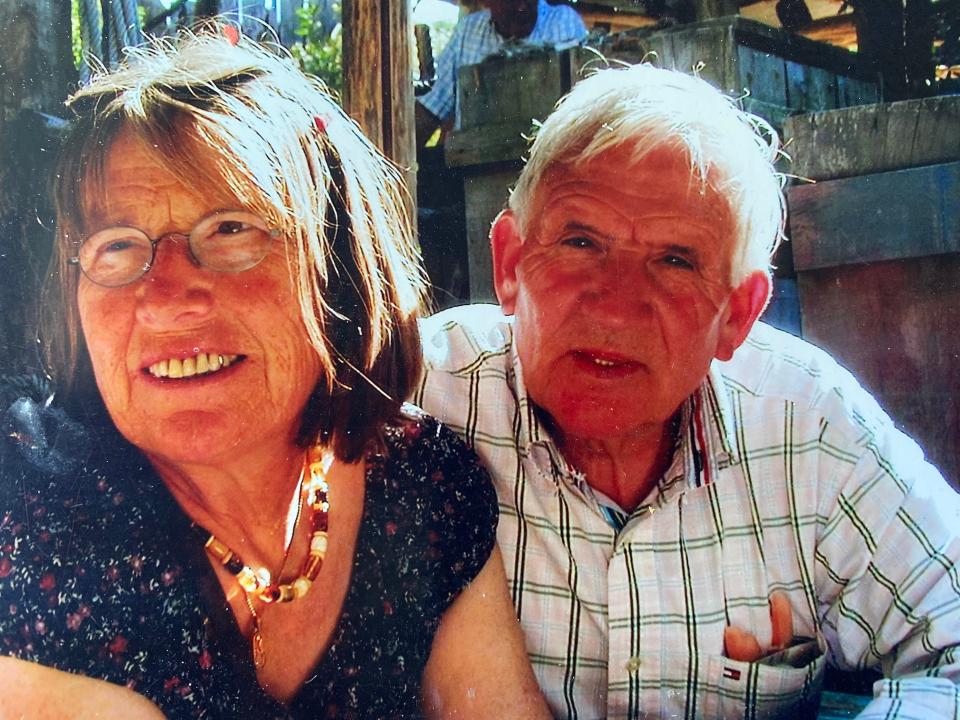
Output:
x=649 y=108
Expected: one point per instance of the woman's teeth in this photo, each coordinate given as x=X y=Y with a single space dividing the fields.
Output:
x=603 y=363
x=200 y=364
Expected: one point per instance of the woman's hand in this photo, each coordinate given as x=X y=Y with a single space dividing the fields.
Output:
x=478 y=665
x=29 y=690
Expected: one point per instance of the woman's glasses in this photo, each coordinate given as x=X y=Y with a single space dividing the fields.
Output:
x=225 y=241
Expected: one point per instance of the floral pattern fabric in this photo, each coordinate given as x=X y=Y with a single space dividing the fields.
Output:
x=101 y=574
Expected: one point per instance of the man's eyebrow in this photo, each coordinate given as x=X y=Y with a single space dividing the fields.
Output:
x=678 y=249
x=577 y=226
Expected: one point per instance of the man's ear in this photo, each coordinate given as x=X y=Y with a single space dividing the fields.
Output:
x=505 y=244
x=746 y=303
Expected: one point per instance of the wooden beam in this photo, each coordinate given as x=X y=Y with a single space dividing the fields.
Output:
x=378 y=92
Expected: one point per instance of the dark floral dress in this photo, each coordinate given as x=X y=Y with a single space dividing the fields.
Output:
x=101 y=574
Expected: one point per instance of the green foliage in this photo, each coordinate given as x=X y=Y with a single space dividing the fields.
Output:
x=75 y=42
x=320 y=52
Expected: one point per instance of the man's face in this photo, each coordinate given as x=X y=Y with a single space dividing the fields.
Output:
x=621 y=292
x=513 y=19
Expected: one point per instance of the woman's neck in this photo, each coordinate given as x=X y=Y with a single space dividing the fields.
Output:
x=246 y=502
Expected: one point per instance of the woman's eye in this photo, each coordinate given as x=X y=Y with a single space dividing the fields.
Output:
x=231 y=227
x=117 y=246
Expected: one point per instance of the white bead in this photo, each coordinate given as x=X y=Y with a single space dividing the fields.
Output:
x=300 y=586
x=318 y=543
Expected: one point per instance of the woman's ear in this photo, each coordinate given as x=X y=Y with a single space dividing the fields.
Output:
x=505 y=244
x=747 y=301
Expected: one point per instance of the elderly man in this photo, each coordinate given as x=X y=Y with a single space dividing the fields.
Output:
x=484 y=33
x=698 y=512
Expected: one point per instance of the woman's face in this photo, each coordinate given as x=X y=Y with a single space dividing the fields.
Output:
x=180 y=311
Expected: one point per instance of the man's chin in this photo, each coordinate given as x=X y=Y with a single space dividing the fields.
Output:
x=596 y=420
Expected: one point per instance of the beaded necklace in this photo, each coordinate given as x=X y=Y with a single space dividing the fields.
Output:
x=258 y=582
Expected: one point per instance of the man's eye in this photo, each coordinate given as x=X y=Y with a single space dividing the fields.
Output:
x=677 y=261
x=579 y=242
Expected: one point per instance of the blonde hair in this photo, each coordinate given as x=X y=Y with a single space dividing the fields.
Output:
x=648 y=108
x=221 y=108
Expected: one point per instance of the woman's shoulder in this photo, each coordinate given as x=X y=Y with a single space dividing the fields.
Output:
x=427 y=486
x=419 y=442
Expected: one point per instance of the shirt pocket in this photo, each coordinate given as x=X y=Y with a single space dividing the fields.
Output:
x=786 y=684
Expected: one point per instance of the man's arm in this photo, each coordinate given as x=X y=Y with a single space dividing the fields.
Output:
x=433 y=108
x=888 y=578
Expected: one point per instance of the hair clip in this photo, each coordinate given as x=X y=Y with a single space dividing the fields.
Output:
x=320 y=123
x=232 y=34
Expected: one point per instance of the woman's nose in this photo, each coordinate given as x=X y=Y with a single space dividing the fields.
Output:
x=175 y=292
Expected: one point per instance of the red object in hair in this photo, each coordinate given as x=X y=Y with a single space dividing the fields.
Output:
x=231 y=34
x=320 y=123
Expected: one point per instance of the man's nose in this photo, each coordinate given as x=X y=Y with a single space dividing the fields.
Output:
x=175 y=292
x=619 y=292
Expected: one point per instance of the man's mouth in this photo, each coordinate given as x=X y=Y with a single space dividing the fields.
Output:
x=605 y=364
x=199 y=364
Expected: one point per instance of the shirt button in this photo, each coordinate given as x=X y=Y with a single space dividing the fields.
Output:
x=633 y=664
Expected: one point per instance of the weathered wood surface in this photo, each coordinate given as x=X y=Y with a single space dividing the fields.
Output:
x=883 y=216
x=486 y=195
x=499 y=142
x=36 y=71
x=376 y=67
x=778 y=73
x=513 y=89
x=875 y=138
x=894 y=325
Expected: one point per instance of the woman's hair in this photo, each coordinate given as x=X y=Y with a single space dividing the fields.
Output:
x=219 y=108
x=648 y=108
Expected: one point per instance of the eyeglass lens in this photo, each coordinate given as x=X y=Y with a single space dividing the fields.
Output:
x=227 y=241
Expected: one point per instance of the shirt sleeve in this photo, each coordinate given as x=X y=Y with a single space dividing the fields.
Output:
x=889 y=578
x=441 y=98
x=461 y=514
x=567 y=26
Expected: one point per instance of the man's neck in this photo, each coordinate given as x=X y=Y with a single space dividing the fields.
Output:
x=625 y=469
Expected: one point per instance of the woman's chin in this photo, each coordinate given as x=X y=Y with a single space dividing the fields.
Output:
x=194 y=436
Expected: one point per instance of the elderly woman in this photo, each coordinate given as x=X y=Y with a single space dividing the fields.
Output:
x=273 y=535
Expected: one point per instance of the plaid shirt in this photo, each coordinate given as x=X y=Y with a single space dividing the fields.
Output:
x=787 y=476
x=475 y=38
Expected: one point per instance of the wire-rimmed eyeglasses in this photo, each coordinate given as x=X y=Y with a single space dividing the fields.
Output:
x=225 y=241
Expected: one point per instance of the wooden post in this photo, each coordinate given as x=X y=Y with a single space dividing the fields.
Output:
x=36 y=74
x=378 y=87
x=710 y=9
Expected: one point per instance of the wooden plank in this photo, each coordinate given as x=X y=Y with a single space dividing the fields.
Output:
x=710 y=9
x=376 y=66
x=763 y=74
x=514 y=89
x=876 y=138
x=894 y=325
x=399 y=134
x=884 y=216
x=776 y=115
x=854 y=91
x=486 y=195
x=810 y=89
x=363 y=63
x=378 y=93
x=490 y=144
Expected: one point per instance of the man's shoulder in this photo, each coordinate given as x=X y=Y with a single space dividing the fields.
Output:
x=774 y=365
x=459 y=337
x=563 y=17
